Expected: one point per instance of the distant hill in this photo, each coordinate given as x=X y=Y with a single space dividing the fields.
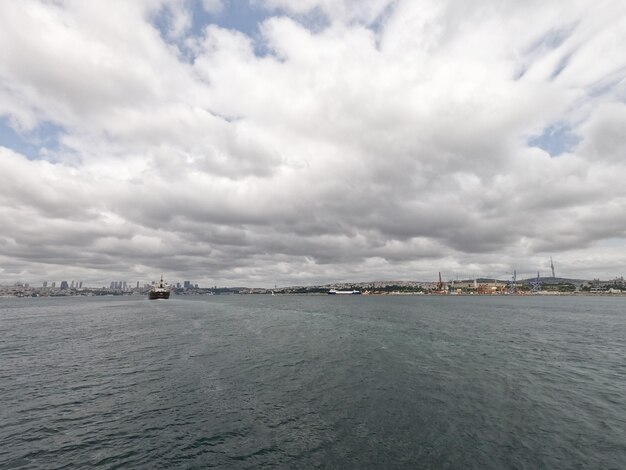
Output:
x=556 y=280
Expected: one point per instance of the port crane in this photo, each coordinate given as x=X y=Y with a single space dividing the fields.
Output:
x=536 y=284
x=440 y=285
x=512 y=284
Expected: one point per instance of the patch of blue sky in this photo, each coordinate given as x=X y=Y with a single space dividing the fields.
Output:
x=163 y=22
x=32 y=144
x=245 y=16
x=314 y=20
x=381 y=20
x=562 y=65
x=614 y=82
x=548 y=41
x=556 y=139
x=552 y=38
x=238 y=15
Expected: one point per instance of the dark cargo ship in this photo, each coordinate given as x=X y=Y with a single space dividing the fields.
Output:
x=159 y=291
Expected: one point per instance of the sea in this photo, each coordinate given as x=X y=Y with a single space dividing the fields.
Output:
x=337 y=382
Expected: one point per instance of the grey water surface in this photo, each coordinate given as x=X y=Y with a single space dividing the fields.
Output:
x=313 y=382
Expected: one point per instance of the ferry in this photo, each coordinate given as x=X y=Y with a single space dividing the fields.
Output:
x=343 y=292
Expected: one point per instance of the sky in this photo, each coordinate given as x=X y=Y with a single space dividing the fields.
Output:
x=262 y=142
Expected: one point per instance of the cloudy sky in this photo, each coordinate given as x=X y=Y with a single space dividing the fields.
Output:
x=254 y=142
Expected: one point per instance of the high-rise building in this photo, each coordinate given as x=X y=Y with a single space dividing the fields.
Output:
x=64 y=285
x=187 y=284
x=72 y=285
x=54 y=284
x=124 y=285
x=45 y=284
x=137 y=284
x=81 y=285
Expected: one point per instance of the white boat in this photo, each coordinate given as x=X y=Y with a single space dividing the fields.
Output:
x=343 y=292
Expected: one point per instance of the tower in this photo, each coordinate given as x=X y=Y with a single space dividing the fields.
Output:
x=552 y=266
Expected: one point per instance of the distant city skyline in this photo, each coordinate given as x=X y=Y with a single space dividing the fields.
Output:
x=186 y=284
x=267 y=142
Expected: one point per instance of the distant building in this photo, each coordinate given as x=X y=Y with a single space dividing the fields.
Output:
x=178 y=285
x=64 y=285
x=81 y=285
x=187 y=284
x=72 y=285
x=137 y=284
x=45 y=284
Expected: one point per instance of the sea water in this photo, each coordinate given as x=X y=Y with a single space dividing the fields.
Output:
x=313 y=382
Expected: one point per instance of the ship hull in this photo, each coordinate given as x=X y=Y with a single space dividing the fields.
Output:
x=159 y=295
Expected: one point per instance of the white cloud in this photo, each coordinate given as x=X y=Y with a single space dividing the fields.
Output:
x=603 y=132
x=213 y=6
x=353 y=151
x=336 y=10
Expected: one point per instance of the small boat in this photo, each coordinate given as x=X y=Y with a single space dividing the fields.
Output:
x=159 y=291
